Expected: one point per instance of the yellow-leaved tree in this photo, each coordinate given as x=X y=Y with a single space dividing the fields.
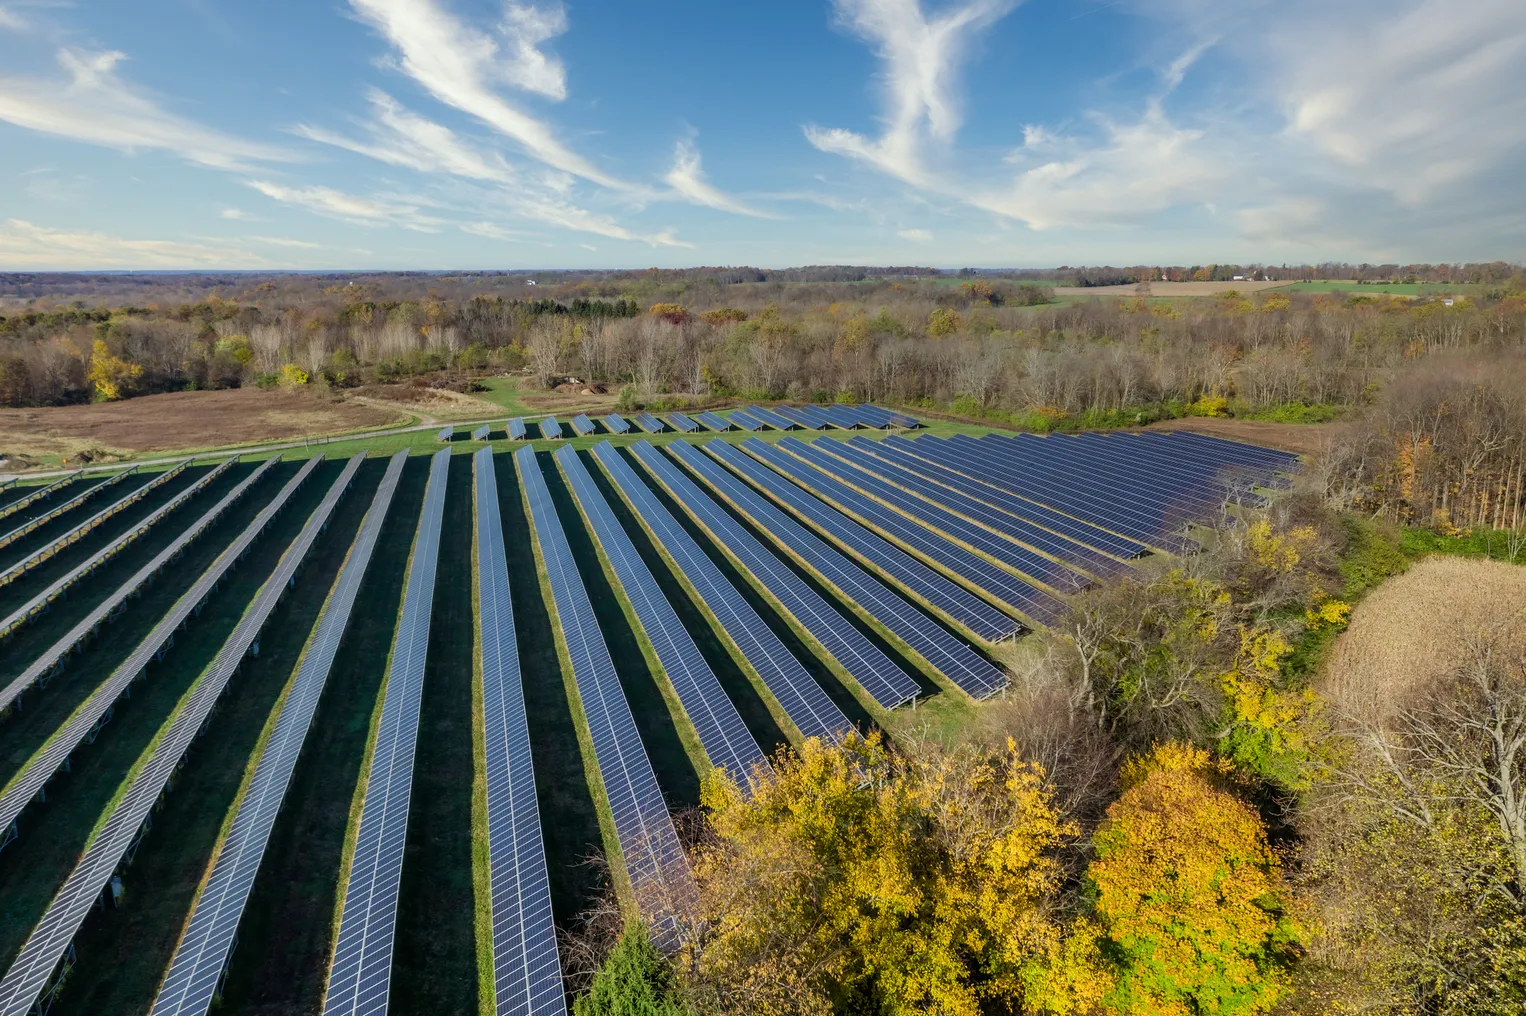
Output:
x=110 y=375
x=865 y=881
x=1190 y=898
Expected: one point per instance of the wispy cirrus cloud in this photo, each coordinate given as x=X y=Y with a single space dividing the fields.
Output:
x=351 y=208
x=461 y=66
x=95 y=104
x=688 y=181
x=26 y=245
x=920 y=56
x=400 y=137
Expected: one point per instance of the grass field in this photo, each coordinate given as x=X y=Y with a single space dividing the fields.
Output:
x=1414 y=289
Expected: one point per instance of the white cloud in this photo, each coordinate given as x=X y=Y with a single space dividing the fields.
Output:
x=918 y=235
x=96 y=105
x=688 y=180
x=284 y=241
x=24 y=245
x=403 y=138
x=236 y=214
x=921 y=59
x=373 y=211
x=12 y=21
x=1416 y=99
x=459 y=66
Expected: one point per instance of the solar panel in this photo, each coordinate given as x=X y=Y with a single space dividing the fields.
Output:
x=517 y=429
x=616 y=424
x=191 y=985
x=682 y=423
x=446 y=434
x=809 y=708
x=958 y=531
x=798 y=418
x=1173 y=486
x=896 y=419
x=925 y=637
x=745 y=420
x=360 y=972
x=39 y=494
x=549 y=428
x=771 y=419
x=841 y=417
x=714 y=421
x=725 y=738
x=53 y=659
x=481 y=433
x=583 y=425
x=654 y=858
x=937 y=591
x=527 y=973
x=114 y=839
x=88 y=526
x=883 y=680
x=892 y=451
x=648 y=423
x=32 y=525
x=817 y=418
x=41 y=767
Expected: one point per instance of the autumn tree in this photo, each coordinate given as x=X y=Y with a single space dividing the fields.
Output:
x=1190 y=898
x=110 y=375
x=866 y=881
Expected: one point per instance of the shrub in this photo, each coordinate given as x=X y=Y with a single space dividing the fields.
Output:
x=635 y=980
x=291 y=376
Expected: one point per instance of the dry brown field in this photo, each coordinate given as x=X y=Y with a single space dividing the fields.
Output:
x=1303 y=438
x=184 y=420
x=1414 y=629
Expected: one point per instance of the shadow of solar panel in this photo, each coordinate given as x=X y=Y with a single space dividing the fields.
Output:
x=192 y=983
x=649 y=844
x=889 y=687
x=950 y=656
x=808 y=707
x=962 y=606
x=40 y=956
x=527 y=974
x=41 y=767
x=360 y=971
x=725 y=738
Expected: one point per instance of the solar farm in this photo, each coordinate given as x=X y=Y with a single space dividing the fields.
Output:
x=342 y=734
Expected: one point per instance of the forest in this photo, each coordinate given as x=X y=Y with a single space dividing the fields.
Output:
x=1284 y=775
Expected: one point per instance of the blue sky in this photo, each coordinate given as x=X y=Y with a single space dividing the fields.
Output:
x=440 y=134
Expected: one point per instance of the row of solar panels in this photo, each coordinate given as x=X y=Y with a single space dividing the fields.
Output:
x=845 y=510
x=840 y=417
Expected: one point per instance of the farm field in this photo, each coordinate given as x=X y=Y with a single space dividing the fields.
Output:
x=1411 y=289
x=1171 y=289
x=581 y=636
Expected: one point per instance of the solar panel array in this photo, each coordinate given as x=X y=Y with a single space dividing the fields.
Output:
x=38 y=494
x=926 y=637
x=88 y=526
x=29 y=974
x=866 y=472
x=648 y=423
x=517 y=429
x=964 y=608
x=865 y=663
x=725 y=738
x=771 y=419
x=583 y=425
x=527 y=973
x=616 y=424
x=682 y=423
x=481 y=433
x=798 y=418
x=54 y=656
x=808 y=707
x=360 y=972
x=446 y=434
x=85 y=720
x=653 y=855
x=191 y=985
x=714 y=421
x=32 y=525
x=549 y=428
